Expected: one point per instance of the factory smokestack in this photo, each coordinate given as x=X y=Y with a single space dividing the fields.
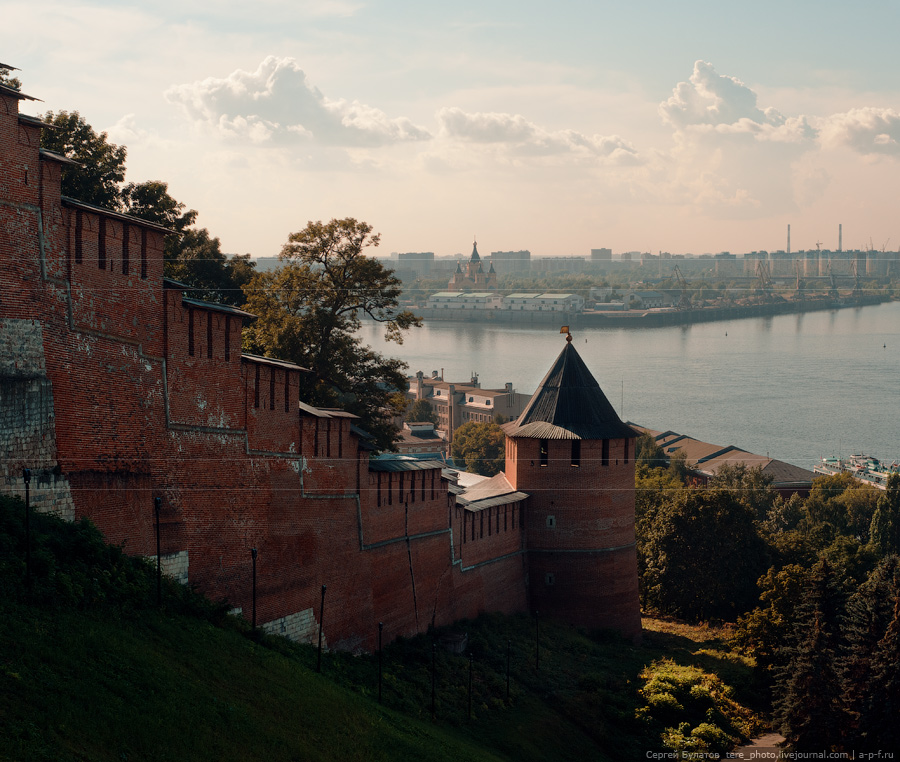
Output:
x=840 y=237
x=789 y=240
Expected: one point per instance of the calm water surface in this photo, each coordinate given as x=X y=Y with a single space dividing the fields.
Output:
x=798 y=387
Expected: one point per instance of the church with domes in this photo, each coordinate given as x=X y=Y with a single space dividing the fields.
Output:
x=474 y=277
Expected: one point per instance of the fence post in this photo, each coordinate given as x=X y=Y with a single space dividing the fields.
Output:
x=508 y=651
x=26 y=476
x=253 y=555
x=471 y=660
x=321 y=618
x=433 y=678
x=380 y=630
x=157 y=504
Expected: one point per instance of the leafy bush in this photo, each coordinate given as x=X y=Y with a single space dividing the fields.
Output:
x=693 y=710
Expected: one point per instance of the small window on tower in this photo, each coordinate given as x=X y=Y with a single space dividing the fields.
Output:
x=551 y=522
x=550 y=578
x=545 y=452
x=576 y=453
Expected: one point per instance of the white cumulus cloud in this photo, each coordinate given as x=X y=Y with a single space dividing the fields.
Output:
x=711 y=98
x=865 y=130
x=277 y=104
x=519 y=135
x=715 y=103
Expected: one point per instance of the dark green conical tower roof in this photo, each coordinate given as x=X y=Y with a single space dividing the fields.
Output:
x=569 y=404
x=476 y=257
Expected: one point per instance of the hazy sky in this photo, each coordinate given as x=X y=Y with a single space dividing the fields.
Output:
x=684 y=127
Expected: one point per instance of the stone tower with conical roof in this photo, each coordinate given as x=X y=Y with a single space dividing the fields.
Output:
x=575 y=458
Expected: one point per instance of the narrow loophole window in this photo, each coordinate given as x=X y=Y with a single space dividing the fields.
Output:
x=576 y=453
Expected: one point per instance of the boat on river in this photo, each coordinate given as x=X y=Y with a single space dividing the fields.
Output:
x=864 y=468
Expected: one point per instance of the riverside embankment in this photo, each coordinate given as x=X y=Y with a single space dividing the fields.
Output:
x=645 y=318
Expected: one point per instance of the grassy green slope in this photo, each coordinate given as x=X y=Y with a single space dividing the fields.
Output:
x=90 y=669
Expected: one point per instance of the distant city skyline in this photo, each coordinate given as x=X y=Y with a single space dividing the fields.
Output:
x=689 y=128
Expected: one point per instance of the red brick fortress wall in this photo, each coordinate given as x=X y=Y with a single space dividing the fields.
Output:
x=116 y=389
x=582 y=560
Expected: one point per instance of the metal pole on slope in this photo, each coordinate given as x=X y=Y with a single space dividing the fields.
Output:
x=471 y=661
x=157 y=504
x=380 y=631
x=508 y=652
x=253 y=559
x=26 y=476
x=433 y=677
x=321 y=617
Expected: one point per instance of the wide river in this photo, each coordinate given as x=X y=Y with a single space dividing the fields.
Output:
x=795 y=387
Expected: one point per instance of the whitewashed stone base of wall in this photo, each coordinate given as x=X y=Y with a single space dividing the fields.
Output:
x=173 y=565
x=27 y=421
x=49 y=492
x=300 y=627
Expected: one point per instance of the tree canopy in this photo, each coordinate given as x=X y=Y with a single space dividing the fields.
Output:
x=703 y=555
x=310 y=309
x=481 y=446
x=8 y=80
x=102 y=168
x=421 y=411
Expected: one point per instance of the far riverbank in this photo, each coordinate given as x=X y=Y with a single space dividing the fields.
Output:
x=654 y=318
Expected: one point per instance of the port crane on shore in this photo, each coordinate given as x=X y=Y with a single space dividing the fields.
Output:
x=684 y=303
x=764 y=282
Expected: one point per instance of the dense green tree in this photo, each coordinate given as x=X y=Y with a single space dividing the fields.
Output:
x=309 y=311
x=647 y=452
x=421 y=411
x=151 y=201
x=750 y=486
x=481 y=446
x=102 y=168
x=8 y=80
x=196 y=258
x=192 y=256
x=762 y=632
x=885 y=526
x=703 y=555
x=655 y=489
x=808 y=708
x=869 y=670
x=841 y=502
x=785 y=513
x=879 y=728
x=678 y=465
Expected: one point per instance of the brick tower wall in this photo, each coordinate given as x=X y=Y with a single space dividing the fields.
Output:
x=582 y=561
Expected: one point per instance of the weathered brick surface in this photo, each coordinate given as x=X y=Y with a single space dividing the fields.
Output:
x=580 y=527
x=116 y=390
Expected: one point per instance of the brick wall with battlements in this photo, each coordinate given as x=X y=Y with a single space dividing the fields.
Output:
x=117 y=388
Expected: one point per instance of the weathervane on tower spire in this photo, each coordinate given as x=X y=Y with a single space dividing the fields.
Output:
x=565 y=330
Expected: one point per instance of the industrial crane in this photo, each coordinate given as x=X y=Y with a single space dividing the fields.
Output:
x=764 y=282
x=684 y=303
